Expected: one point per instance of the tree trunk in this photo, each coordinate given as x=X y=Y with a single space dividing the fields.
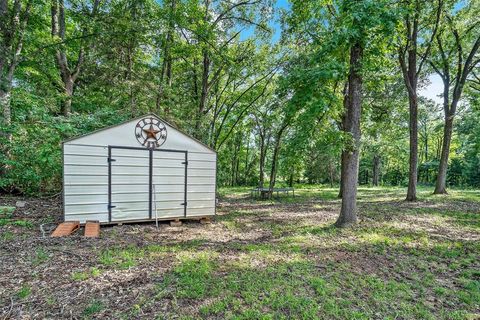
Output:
x=273 y=171
x=450 y=109
x=411 y=72
x=342 y=127
x=7 y=121
x=167 y=59
x=245 y=172
x=426 y=143
x=376 y=170
x=276 y=149
x=237 y=169
x=263 y=151
x=5 y=104
x=331 y=171
x=410 y=77
x=439 y=148
x=441 y=184
x=413 y=158
x=68 y=76
x=204 y=92
x=66 y=108
x=350 y=154
x=13 y=23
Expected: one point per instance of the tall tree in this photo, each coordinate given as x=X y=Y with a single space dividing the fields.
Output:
x=418 y=25
x=69 y=71
x=351 y=126
x=340 y=35
x=214 y=31
x=458 y=44
x=166 y=68
x=13 y=23
x=365 y=39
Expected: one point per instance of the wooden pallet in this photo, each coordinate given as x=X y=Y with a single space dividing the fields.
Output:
x=65 y=228
x=92 y=229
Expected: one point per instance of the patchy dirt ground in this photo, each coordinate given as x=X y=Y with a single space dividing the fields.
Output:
x=258 y=259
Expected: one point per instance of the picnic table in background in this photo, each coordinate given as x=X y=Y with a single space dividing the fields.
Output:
x=267 y=192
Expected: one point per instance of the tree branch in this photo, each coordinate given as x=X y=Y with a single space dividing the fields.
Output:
x=432 y=38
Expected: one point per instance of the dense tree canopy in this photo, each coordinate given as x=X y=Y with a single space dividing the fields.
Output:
x=277 y=111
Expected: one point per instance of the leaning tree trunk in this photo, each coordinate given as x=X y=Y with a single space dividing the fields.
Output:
x=350 y=154
x=441 y=184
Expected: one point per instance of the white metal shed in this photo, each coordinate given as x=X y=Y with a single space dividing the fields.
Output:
x=135 y=170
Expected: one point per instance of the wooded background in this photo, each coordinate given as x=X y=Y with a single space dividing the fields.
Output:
x=277 y=112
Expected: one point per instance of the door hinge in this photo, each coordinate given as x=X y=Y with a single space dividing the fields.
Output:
x=185 y=162
x=183 y=204
x=111 y=160
x=110 y=207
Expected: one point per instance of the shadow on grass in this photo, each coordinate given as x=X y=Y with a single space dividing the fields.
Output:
x=457 y=212
x=310 y=289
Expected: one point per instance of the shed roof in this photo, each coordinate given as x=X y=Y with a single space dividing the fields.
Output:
x=134 y=119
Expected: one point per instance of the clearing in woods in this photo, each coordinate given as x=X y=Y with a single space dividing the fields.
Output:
x=258 y=259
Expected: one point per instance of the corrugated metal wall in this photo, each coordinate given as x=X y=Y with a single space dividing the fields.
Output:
x=85 y=170
x=86 y=181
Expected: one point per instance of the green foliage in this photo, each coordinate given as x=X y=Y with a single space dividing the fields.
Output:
x=6 y=218
x=93 y=308
x=7 y=236
x=226 y=83
x=24 y=292
x=35 y=152
x=6 y=211
x=121 y=258
x=84 y=275
x=40 y=257
x=299 y=266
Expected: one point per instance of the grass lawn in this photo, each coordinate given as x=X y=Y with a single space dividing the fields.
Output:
x=278 y=259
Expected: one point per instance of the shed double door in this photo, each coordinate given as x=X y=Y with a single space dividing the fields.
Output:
x=144 y=184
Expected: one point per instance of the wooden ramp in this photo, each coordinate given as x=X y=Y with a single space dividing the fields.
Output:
x=92 y=229
x=65 y=228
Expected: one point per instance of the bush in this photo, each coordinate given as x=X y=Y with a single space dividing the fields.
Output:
x=33 y=159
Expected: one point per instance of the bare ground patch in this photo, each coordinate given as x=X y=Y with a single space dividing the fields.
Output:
x=427 y=251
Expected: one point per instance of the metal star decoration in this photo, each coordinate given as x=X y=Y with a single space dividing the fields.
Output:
x=151 y=133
